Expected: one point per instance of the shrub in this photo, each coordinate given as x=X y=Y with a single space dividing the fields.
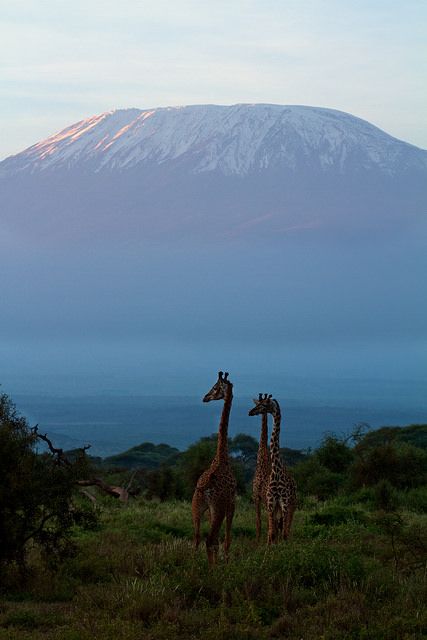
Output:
x=35 y=493
x=385 y=496
x=334 y=454
x=313 y=478
x=402 y=464
x=164 y=483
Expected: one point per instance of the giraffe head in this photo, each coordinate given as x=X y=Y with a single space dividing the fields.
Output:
x=220 y=389
x=264 y=404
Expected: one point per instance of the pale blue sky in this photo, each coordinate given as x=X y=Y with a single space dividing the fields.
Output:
x=61 y=61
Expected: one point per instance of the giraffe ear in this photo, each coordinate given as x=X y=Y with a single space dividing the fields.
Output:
x=255 y=401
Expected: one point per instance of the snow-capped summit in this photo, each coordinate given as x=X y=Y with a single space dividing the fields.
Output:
x=234 y=140
x=213 y=171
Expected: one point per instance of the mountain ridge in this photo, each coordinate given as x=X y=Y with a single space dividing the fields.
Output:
x=234 y=140
x=209 y=172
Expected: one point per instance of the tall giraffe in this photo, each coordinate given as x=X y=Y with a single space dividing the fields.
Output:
x=281 y=490
x=216 y=488
x=262 y=472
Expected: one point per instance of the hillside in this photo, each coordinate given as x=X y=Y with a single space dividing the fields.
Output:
x=213 y=170
x=145 y=455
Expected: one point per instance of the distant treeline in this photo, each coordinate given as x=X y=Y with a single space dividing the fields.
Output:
x=371 y=463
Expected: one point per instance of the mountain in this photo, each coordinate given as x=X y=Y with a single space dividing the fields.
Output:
x=213 y=172
x=138 y=247
x=235 y=140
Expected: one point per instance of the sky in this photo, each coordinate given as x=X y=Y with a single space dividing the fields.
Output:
x=62 y=61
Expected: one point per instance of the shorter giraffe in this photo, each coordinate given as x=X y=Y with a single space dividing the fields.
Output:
x=262 y=473
x=216 y=488
x=281 y=490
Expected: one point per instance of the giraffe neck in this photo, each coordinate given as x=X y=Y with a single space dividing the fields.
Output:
x=222 y=447
x=275 y=438
x=263 y=449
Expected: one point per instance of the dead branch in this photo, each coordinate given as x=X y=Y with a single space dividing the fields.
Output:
x=116 y=492
x=122 y=493
x=61 y=458
x=89 y=495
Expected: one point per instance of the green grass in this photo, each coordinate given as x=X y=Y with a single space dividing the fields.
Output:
x=346 y=573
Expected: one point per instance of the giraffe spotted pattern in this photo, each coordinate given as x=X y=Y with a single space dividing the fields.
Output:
x=281 y=496
x=216 y=488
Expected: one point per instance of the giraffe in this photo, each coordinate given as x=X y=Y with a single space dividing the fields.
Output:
x=281 y=490
x=262 y=473
x=216 y=488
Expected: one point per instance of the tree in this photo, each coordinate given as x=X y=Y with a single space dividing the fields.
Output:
x=335 y=454
x=36 y=492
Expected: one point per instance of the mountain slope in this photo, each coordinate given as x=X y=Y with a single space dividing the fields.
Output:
x=234 y=140
x=213 y=171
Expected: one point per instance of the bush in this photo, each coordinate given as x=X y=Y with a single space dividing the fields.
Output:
x=402 y=464
x=334 y=454
x=415 y=499
x=164 y=483
x=35 y=493
x=314 y=479
x=385 y=496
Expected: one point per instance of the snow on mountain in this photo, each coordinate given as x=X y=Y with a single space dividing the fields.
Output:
x=213 y=172
x=235 y=140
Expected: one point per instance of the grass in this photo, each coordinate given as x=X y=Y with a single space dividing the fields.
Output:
x=346 y=573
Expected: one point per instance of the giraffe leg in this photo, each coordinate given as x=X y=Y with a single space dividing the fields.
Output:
x=197 y=507
x=258 y=518
x=212 y=540
x=280 y=524
x=288 y=521
x=271 y=539
x=228 y=520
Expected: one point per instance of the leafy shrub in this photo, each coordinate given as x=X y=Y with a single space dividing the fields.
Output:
x=337 y=514
x=314 y=479
x=415 y=499
x=385 y=496
x=402 y=464
x=164 y=483
x=35 y=493
x=334 y=454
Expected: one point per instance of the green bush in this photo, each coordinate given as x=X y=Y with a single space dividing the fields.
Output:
x=415 y=499
x=314 y=479
x=35 y=493
x=385 y=496
x=334 y=454
x=337 y=514
x=402 y=464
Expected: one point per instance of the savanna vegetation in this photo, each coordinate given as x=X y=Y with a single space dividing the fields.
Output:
x=354 y=566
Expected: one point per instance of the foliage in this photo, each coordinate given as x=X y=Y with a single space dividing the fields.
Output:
x=314 y=479
x=146 y=455
x=334 y=454
x=195 y=460
x=35 y=493
x=415 y=434
x=344 y=573
x=353 y=568
x=402 y=464
x=164 y=483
